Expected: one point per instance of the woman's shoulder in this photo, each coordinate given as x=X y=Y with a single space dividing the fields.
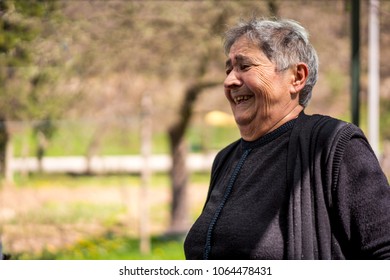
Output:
x=222 y=154
x=327 y=127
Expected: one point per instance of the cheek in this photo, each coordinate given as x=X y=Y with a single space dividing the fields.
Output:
x=261 y=85
x=227 y=94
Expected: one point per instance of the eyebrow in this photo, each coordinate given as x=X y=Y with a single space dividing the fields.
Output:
x=228 y=64
x=239 y=58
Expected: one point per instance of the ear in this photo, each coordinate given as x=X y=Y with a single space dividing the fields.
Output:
x=300 y=73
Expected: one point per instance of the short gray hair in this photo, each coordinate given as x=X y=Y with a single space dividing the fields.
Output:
x=285 y=42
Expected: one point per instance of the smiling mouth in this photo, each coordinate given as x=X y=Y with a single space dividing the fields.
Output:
x=241 y=98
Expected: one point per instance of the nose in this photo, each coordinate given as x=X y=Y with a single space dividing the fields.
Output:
x=232 y=80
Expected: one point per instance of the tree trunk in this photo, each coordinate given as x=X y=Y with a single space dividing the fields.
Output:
x=93 y=149
x=146 y=173
x=179 y=179
x=4 y=138
x=9 y=156
x=41 y=149
x=95 y=146
x=25 y=153
x=179 y=173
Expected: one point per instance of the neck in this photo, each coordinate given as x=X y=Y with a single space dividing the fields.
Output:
x=256 y=133
x=294 y=113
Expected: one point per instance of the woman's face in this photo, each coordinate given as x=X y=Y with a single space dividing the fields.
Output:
x=259 y=95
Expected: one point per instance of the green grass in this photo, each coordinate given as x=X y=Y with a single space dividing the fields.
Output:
x=75 y=181
x=36 y=180
x=111 y=246
x=120 y=234
x=74 y=138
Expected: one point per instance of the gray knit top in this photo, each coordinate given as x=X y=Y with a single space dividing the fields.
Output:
x=251 y=210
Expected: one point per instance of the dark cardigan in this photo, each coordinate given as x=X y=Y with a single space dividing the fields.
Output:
x=317 y=228
x=317 y=144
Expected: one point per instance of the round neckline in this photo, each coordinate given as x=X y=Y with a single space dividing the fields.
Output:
x=267 y=137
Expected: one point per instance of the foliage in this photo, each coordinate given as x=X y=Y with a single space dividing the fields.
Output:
x=26 y=82
x=29 y=81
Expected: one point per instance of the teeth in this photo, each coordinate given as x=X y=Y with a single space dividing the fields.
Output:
x=241 y=98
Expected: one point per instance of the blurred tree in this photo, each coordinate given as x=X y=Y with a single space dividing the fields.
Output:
x=15 y=35
x=200 y=75
x=273 y=7
x=43 y=130
x=126 y=48
x=202 y=78
x=27 y=79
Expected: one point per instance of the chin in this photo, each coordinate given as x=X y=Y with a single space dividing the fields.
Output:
x=242 y=121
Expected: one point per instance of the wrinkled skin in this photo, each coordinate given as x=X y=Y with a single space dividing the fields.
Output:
x=261 y=98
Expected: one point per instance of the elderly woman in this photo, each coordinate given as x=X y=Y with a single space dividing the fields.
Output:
x=294 y=186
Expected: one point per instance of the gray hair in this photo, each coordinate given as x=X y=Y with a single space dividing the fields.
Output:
x=284 y=42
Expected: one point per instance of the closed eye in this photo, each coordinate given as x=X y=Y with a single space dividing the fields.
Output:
x=244 y=67
x=228 y=70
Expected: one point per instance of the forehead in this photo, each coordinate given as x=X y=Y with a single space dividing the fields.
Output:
x=243 y=50
x=243 y=44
